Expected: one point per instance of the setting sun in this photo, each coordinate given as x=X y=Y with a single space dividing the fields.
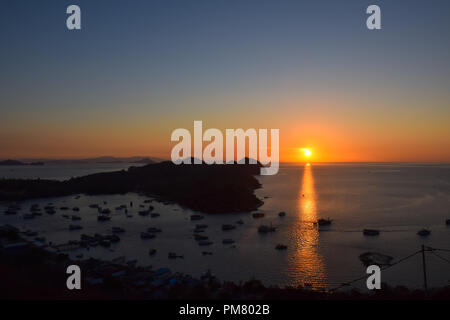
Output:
x=306 y=152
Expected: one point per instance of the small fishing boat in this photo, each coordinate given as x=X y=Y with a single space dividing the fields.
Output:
x=370 y=258
x=147 y=235
x=173 y=255
x=424 y=232
x=282 y=214
x=76 y=209
x=240 y=222
x=258 y=215
x=76 y=218
x=117 y=230
x=371 y=232
x=143 y=213
x=153 y=230
x=154 y=215
x=227 y=241
x=152 y=252
x=205 y=243
x=281 y=247
x=226 y=227
x=207 y=253
x=131 y=263
x=196 y=217
x=199 y=237
x=324 y=222
x=447 y=222
x=85 y=237
x=73 y=227
x=266 y=229
x=30 y=233
x=102 y=217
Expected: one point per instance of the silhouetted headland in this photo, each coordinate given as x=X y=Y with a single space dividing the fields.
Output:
x=19 y=163
x=205 y=188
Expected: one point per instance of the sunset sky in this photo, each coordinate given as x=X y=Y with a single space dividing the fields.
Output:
x=140 y=69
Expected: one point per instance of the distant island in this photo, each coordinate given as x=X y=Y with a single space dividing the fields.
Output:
x=103 y=159
x=202 y=187
x=19 y=163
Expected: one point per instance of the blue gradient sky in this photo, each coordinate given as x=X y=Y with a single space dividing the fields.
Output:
x=139 y=69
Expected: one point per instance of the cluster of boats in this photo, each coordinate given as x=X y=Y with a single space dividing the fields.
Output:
x=95 y=240
x=266 y=229
x=104 y=214
x=150 y=233
x=202 y=240
x=375 y=232
x=35 y=210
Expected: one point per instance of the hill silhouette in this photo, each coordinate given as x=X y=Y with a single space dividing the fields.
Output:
x=205 y=188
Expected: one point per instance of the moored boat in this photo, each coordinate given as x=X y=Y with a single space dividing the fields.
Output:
x=266 y=229
x=147 y=235
x=102 y=217
x=73 y=227
x=324 y=222
x=424 y=232
x=205 y=243
x=258 y=215
x=117 y=230
x=226 y=227
x=371 y=232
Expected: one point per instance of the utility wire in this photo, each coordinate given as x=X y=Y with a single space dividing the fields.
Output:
x=384 y=268
x=446 y=260
x=395 y=263
x=445 y=250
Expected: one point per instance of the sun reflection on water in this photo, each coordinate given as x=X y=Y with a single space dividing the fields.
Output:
x=308 y=264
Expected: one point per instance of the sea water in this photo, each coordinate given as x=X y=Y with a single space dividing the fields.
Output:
x=397 y=199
